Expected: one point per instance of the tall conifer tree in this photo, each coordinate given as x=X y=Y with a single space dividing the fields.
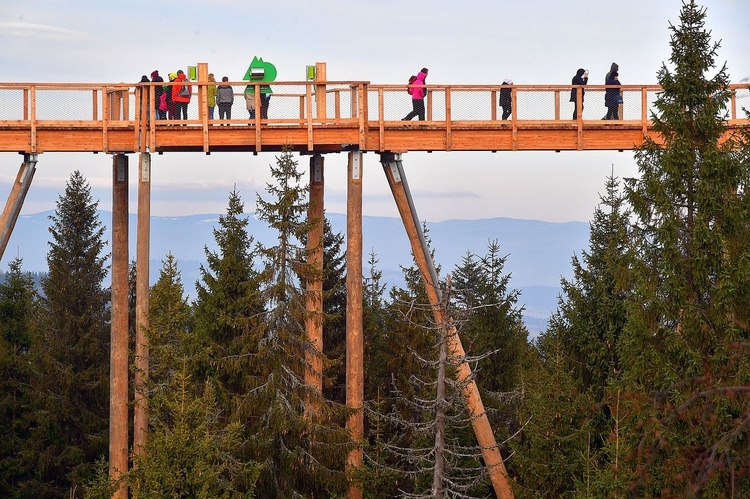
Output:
x=191 y=450
x=565 y=405
x=299 y=456
x=686 y=347
x=18 y=316
x=227 y=305
x=73 y=362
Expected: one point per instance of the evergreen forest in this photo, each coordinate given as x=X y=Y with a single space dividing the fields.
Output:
x=638 y=387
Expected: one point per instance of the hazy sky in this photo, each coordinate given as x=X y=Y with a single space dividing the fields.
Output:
x=384 y=41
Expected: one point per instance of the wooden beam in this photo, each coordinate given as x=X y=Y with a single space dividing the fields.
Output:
x=15 y=199
x=202 y=95
x=118 y=377
x=140 y=417
x=354 y=325
x=486 y=439
x=320 y=91
x=314 y=296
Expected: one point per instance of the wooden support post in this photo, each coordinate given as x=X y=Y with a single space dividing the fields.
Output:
x=16 y=198
x=354 y=327
x=314 y=296
x=140 y=417
x=486 y=439
x=203 y=102
x=320 y=91
x=118 y=373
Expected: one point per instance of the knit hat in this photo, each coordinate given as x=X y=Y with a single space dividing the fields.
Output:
x=154 y=73
x=508 y=81
x=172 y=76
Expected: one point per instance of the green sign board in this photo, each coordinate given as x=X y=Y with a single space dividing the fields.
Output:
x=260 y=70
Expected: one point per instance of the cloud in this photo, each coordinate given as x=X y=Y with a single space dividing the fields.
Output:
x=44 y=31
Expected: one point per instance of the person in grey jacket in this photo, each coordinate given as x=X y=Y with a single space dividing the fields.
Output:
x=225 y=99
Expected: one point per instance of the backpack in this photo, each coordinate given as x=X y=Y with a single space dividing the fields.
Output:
x=409 y=89
x=183 y=91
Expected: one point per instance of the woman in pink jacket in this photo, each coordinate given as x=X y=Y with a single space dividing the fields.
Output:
x=181 y=95
x=418 y=94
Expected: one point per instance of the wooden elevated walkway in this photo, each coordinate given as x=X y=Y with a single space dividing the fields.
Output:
x=315 y=117
x=323 y=117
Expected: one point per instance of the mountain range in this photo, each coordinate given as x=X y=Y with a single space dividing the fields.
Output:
x=538 y=253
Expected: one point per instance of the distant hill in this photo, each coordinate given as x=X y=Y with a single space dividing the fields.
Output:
x=538 y=253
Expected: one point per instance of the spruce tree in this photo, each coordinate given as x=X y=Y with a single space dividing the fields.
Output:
x=18 y=316
x=334 y=310
x=685 y=348
x=226 y=307
x=300 y=455
x=549 y=450
x=495 y=329
x=72 y=365
x=171 y=328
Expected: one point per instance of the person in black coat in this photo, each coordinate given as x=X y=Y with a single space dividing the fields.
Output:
x=158 y=90
x=614 y=68
x=612 y=97
x=581 y=78
x=506 y=100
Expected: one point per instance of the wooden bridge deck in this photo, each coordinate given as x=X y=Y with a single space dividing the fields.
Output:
x=327 y=117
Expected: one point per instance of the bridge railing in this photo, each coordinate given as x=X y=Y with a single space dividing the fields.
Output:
x=530 y=103
x=107 y=106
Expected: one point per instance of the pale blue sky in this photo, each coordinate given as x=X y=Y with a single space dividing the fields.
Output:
x=481 y=42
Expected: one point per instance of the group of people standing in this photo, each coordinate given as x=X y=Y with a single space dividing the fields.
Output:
x=171 y=101
x=612 y=97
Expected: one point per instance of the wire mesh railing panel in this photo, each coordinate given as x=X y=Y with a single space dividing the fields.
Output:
x=742 y=103
x=12 y=103
x=535 y=105
x=64 y=104
x=396 y=104
x=631 y=105
x=339 y=101
x=435 y=105
x=467 y=105
x=594 y=107
x=284 y=102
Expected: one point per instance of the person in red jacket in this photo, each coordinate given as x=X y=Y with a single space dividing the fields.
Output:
x=181 y=95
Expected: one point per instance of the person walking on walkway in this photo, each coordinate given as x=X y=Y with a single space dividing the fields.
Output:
x=418 y=93
x=506 y=98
